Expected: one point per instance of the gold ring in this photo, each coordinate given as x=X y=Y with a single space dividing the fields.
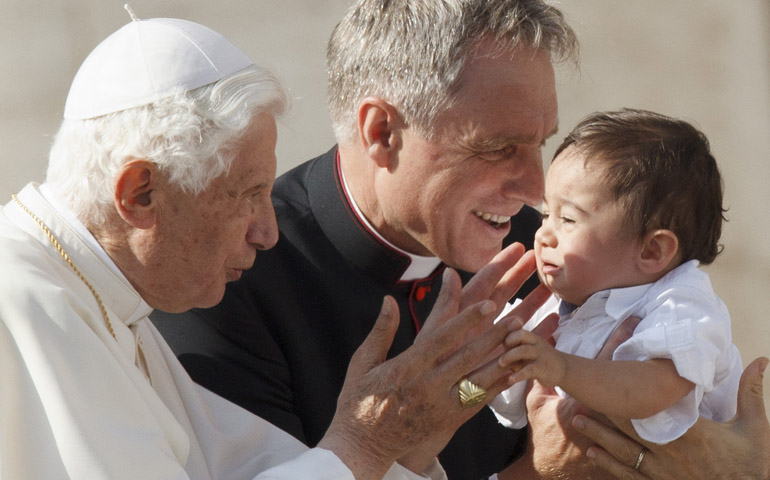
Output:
x=470 y=393
x=639 y=460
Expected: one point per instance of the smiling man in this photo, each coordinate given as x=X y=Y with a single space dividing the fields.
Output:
x=157 y=195
x=440 y=110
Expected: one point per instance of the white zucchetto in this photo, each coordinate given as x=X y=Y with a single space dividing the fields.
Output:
x=147 y=60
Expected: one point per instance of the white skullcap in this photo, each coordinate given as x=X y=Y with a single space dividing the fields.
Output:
x=145 y=61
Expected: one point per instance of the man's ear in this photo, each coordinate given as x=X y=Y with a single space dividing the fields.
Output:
x=659 y=248
x=379 y=130
x=134 y=185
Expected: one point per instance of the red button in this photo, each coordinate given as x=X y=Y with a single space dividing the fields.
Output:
x=421 y=291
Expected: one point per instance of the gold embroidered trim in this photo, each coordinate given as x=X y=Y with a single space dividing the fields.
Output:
x=67 y=259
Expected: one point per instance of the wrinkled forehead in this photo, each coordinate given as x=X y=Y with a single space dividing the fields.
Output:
x=506 y=94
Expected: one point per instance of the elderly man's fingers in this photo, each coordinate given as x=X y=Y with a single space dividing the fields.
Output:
x=620 y=335
x=497 y=373
x=476 y=352
x=374 y=349
x=527 y=307
x=485 y=282
x=443 y=341
x=514 y=278
x=493 y=378
x=447 y=303
x=547 y=327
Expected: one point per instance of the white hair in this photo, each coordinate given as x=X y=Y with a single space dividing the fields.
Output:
x=187 y=135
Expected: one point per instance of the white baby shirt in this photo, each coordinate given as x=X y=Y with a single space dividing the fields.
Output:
x=682 y=319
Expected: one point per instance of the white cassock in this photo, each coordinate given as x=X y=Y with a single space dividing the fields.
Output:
x=74 y=404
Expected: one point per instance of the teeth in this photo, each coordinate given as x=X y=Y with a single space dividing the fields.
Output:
x=492 y=218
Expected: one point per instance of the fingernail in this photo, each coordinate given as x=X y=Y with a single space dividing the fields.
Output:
x=590 y=453
x=445 y=275
x=516 y=324
x=488 y=307
x=578 y=423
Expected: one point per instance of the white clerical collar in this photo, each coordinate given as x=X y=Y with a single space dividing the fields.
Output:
x=48 y=192
x=419 y=266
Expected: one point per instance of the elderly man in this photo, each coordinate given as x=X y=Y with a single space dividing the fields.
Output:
x=158 y=193
x=440 y=110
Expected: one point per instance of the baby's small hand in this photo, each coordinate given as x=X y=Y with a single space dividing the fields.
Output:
x=530 y=356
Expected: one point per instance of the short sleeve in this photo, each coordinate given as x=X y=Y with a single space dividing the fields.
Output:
x=692 y=328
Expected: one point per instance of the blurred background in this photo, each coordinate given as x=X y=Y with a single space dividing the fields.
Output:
x=706 y=61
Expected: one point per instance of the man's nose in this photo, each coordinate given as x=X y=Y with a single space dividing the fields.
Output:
x=527 y=180
x=263 y=229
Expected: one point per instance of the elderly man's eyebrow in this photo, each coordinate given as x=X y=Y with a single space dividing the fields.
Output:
x=251 y=190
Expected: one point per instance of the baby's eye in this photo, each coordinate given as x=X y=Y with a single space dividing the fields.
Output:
x=565 y=219
x=544 y=216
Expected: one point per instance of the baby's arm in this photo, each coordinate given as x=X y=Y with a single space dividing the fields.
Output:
x=627 y=389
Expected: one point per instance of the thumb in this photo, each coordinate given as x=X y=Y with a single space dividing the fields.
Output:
x=446 y=305
x=538 y=395
x=751 y=405
x=374 y=349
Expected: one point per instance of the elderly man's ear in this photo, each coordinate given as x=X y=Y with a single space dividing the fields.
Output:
x=134 y=186
x=380 y=128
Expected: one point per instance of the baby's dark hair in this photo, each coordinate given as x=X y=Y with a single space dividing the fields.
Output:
x=661 y=170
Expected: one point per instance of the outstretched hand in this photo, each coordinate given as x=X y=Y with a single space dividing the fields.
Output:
x=407 y=408
x=498 y=281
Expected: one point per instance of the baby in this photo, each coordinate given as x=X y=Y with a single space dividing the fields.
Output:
x=633 y=204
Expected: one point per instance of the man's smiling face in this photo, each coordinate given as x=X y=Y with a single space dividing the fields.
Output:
x=452 y=196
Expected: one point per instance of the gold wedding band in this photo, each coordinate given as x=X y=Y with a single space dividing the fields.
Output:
x=470 y=393
x=639 y=460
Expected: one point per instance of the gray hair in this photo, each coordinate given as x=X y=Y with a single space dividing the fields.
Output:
x=188 y=135
x=412 y=52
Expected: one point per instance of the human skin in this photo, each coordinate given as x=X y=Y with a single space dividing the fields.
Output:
x=179 y=249
x=569 y=441
x=486 y=172
x=556 y=449
x=583 y=246
x=738 y=449
x=407 y=408
x=426 y=195
x=404 y=408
